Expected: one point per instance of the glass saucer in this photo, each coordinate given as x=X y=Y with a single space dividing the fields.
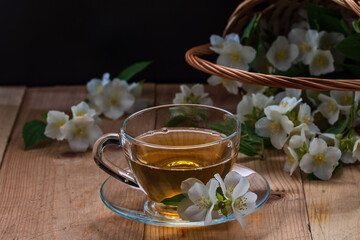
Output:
x=131 y=202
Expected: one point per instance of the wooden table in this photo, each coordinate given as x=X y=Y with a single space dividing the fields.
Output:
x=50 y=192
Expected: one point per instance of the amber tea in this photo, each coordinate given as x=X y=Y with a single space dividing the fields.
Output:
x=160 y=173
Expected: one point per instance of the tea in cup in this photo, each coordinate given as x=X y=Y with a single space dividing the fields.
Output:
x=168 y=144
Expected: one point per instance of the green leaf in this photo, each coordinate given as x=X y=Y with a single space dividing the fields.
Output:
x=224 y=211
x=87 y=100
x=173 y=201
x=33 y=132
x=247 y=147
x=44 y=115
x=326 y=19
x=175 y=121
x=249 y=29
x=226 y=127
x=130 y=71
x=356 y=25
x=248 y=129
x=142 y=82
x=350 y=47
x=339 y=126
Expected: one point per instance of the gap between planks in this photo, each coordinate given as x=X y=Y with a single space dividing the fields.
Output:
x=10 y=102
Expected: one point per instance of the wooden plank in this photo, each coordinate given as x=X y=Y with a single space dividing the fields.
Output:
x=51 y=193
x=282 y=217
x=10 y=100
x=333 y=205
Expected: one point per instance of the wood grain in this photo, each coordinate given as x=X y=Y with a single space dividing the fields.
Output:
x=51 y=193
x=333 y=205
x=284 y=215
x=10 y=100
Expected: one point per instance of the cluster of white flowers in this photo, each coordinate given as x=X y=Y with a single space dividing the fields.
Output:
x=231 y=54
x=194 y=95
x=114 y=98
x=312 y=48
x=81 y=131
x=290 y=125
x=202 y=201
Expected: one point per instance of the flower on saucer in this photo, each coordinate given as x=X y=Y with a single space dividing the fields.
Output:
x=200 y=200
x=321 y=159
x=218 y=43
x=55 y=120
x=329 y=108
x=282 y=54
x=232 y=86
x=321 y=62
x=304 y=116
x=237 y=56
x=307 y=42
x=250 y=101
x=81 y=132
x=235 y=188
x=194 y=95
x=115 y=99
x=276 y=126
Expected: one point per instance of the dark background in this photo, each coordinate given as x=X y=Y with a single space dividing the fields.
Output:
x=71 y=42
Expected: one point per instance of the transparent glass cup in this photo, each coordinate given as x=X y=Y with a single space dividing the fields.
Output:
x=165 y=145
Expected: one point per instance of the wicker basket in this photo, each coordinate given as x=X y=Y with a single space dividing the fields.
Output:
x=276 y=12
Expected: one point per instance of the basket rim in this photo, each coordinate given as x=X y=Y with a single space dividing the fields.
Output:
x=310 y=83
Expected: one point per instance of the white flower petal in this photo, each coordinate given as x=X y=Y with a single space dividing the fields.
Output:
x=197 y=192
x=241 y=188
x=93 y=133
x=317 y=145
x=232 y=179
x=324 y=172
x=321 y=62
x=214 y=80
x=221 y=182
x=195 y=214
x=239 y=217
x=262 y=127
x=78 y=144
x=114 y=112
x=286 y=124
x=307 y=163
x=182 y=206
x=278 y=139
x=332 y=155
x=188 y=183
x=212 y=185
x=348 y=158
x=94 y=86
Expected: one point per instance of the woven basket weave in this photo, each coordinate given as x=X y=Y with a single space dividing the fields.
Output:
x=280 y=14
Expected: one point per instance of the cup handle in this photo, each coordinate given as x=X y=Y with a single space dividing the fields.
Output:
x=110 y=168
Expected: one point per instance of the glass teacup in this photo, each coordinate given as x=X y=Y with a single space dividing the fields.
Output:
x=168 y=144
